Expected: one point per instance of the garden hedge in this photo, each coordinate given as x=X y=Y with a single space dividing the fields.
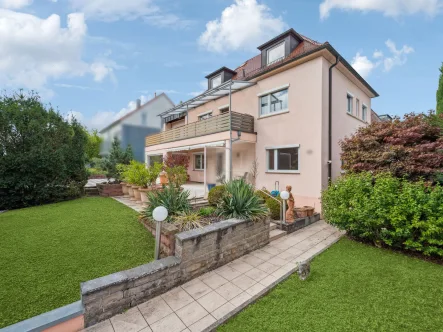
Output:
x=387 y=210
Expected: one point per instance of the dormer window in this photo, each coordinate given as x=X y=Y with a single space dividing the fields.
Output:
x=275 y=53
x=216 y=81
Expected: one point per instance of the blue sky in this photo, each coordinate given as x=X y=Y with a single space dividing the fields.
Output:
x=92 y=57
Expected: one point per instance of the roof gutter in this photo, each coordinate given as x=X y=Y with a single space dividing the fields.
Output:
x=337 y=60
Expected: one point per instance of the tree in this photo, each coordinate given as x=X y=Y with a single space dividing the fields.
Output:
x=93 y=145
x=117 y=156
x=410 y=148
x=41 y=154
x=440 y=92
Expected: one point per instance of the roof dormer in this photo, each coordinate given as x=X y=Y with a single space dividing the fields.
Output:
x=279 y=47
x=219 y=76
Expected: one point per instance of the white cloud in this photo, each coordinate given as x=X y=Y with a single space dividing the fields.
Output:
x=397 y=57
x=391 y=8
x=79 y=87
x=14 y=4
x=363 y=65
x=34 y=51
x=114 y=10
x=243 y=25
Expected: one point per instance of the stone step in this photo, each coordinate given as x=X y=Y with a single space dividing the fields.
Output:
x=91 y=191
x=276 y=234
x=272 y=226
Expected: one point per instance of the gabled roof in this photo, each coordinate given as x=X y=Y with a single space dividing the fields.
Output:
x=136 y=110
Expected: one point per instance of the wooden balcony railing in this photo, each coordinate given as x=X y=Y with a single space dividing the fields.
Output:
x=240 y=122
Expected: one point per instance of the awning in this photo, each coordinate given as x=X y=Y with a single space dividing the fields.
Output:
x=215 y=93
x=196 y=146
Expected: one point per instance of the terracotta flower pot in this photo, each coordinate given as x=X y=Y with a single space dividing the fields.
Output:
x=137 y=196
x=125 y=189
x=163 y=178
x=143 y=196
x=301 y=212
x=130 y=190
x=309 y=211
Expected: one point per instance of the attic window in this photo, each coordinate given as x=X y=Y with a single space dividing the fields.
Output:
x=275 y=53
x=216 y=81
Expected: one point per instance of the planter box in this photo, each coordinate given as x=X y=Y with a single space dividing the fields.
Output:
x=300 y=223
x=125 y=188
x=137 y=197
x=167 y=239
x=109 y=190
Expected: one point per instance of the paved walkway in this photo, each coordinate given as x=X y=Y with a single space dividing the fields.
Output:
x=211 y=299
x=132 y=204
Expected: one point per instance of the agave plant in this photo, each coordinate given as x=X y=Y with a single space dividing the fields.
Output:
x=240 y=202
x=172 y=198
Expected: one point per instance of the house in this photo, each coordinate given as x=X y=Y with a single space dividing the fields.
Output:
x=133 y=127
x=286 y=108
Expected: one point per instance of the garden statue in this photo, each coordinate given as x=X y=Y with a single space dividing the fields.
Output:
x=291 y=204
x=304 y=269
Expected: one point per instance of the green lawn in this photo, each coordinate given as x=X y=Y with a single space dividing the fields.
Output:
x=47 y=251
x=352 y=287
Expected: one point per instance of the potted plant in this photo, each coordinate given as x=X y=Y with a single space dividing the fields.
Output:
x=148 y=176
x=309 y=210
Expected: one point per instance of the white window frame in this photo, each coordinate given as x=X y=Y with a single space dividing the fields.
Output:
x=268 y=95
x=203 y=114
x=357 y=108
x=349 y=104
x=364 y=115
x=202 y=156
x=212 y=81
x=272 y=48
x=268 y=148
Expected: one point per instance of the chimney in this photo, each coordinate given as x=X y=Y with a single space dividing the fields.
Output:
x=155 y=94
x=138 y=102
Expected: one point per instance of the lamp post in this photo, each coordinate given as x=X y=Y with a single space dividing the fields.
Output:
x=284 y=196
x=159 y=214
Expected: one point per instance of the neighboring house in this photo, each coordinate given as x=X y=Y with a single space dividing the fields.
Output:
x=282 y=115
x=133 y=127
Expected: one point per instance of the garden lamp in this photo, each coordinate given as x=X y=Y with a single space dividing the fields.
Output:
x=284 y=195
x=159 y=214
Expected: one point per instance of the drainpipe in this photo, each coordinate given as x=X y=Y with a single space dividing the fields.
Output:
x=337 y=60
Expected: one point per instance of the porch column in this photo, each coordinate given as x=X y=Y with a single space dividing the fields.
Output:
x=204 y=172
x=228 y=160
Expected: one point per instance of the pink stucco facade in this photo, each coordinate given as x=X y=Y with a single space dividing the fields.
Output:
x=304 y=124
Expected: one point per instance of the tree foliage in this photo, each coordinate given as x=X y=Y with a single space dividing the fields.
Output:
x=116 y=156
x=387 y=210
x=440 y=92
x=173 y=160
x=93 y=145
x=42 y=156
x=410 y=148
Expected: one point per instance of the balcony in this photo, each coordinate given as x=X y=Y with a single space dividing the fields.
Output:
x=240 y=122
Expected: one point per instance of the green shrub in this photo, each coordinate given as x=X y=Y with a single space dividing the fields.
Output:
x=240 y=202
x=274 y=208
x=116 y=156
x=138 y=174
x=95 y=171
x=177 y=175
x=262 y=195
x=387 y=210
x=206 y=211
x=216 y=194
x=172 y=198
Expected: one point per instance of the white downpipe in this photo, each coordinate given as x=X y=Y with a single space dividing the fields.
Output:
x=204 y=171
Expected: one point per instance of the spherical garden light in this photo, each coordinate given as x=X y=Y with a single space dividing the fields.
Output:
x=159 y=214
x=284 y=195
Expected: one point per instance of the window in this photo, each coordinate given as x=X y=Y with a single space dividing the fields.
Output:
x=224 y=110
x=199 y=162
x=364 y=113
x=275 y=53
x=144 y=119
x=357 y=108
x=350 y=102
x=274 y=102
x=205 y=116
x=155 y=159
x=282 y=159
x=216 y=81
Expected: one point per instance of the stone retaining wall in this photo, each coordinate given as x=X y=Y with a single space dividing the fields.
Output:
x=167 y=239
x=196 y=252
x=300 y=223
x=109 y=190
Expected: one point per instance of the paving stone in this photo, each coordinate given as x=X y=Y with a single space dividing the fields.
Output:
x=243 y=282
x=130 y=321
x=256 y=274
x=262 y=254
x=277 y=261
x=286 y=255
x=191 y=313
x=212 y=301
x=254 y=290
x=279 y=273
x=104 y=326
x=228 y=291
x=227 y=272
x=177 y=298
x=154 y=310
x=271 y=250
x=223 y=310
x=268 y=280
x=196 y=288
x=170 y=323
x=267 y=267
x=240 y=266
x=252 y=260
x=202 y=324
x=214 y=281
x=240 y=299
